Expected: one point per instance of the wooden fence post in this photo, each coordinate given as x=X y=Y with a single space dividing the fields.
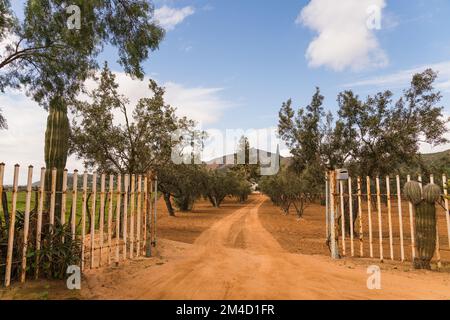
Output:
x=411 y=223
x=138 y=218
x=53 y=199
x=119 y=196
x=26 y=225
x=63 y=199
x=361 y=234
x=350 y=205
x=341 y=200
x=388 y=195
x=125 y=215
x=148 y=242
x=369 y=214
x=380 y=221
x=102 y=216
x=333 y=208
x=400 y=218
x=110 y=213
x=12 y=223
x=74 y=204
x=438 y=242
x=447 y=213
x=83 y=219
x=155 y=209
x=145 y=214
x=39 y=220
x=93 y=208
x=132 y=215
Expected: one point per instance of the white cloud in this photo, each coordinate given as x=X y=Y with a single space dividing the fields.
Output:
x=201 y=104
x=344 y=39
x=169 y=18
x=402 y=78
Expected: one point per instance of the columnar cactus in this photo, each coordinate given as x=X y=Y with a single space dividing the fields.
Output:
x=56 y=146
x=425 y=221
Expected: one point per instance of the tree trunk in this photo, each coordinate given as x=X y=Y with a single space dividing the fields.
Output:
x=169 y=204
x=56 y=148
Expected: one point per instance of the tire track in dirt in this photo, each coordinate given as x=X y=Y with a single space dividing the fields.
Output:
x=237 y=258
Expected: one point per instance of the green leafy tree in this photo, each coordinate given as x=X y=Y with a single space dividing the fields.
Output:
x=384 y=136
x=51 y=61
x=110 y=138
x=373 y=137
x=288 y=189
x=247 y=160
x=304 y=134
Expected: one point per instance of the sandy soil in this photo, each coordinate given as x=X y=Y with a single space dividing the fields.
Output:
x=237 y=258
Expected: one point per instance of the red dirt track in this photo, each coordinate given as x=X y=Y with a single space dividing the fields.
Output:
x=237 y=258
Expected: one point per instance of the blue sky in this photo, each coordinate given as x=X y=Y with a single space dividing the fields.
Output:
x=255 y=51
x=231 y=63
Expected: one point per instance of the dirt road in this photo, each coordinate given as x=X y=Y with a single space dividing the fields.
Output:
x=238 y=259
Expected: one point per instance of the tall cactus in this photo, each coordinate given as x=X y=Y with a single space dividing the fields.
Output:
x=56 y=146
x=425 y=221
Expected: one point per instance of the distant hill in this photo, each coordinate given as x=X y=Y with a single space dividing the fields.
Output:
x=227 y=161
x=438 y=161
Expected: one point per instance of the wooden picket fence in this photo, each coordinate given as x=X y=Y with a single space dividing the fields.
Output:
x=384 y=226
x=122 y=216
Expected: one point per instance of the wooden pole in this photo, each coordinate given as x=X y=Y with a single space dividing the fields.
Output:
x=74 y=204
x=388 y=194
x=369 y=213
x=93 y=208
x=145 y=214
x=411 y=224
x=110 y=213
x=102 y=216
x=83 y=218
x=350 y=205
x=125 y=215
x=26 y=225
x=361 y=234
x=341 y=200
x=333 y=208
x=380 y=221
x=53 y=199
x=148 y=242
x=12 y=223
x=39 y=221
x=155 y=210
x=132 y=215
x=447 y=213
x=400 y=218
x=64 y=199
x=438 y=243
x=139 y=217
x=119 y=196
x=419 y=178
